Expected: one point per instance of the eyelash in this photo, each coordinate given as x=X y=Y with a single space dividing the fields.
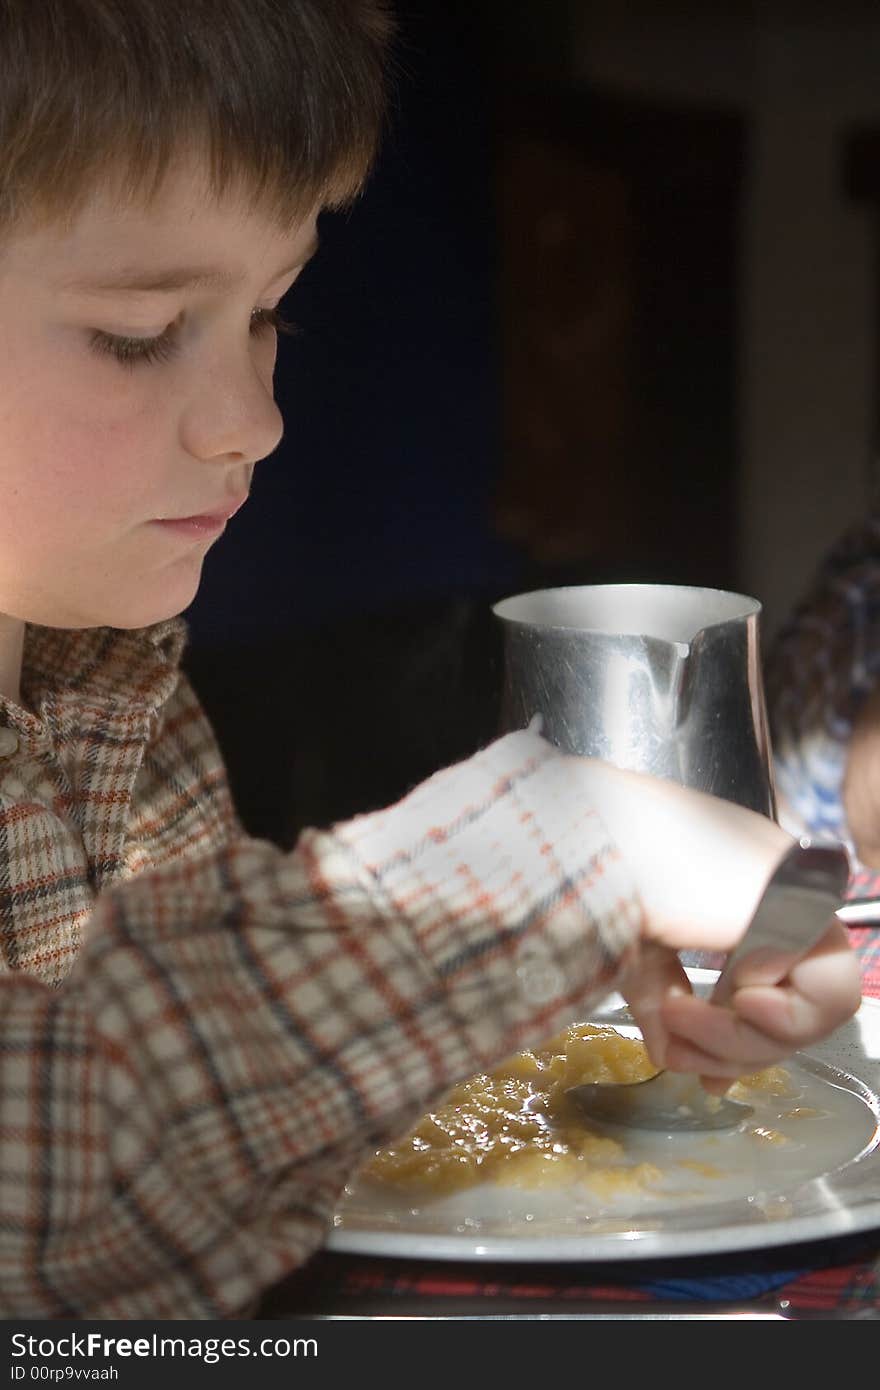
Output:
x=132 y=352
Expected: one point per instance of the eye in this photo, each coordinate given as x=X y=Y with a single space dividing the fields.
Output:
x=266 y=320
x=131 y=351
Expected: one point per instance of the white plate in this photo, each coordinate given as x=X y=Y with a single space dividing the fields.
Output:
x=837 y=1191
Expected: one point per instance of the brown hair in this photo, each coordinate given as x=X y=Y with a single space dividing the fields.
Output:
x=282 y=97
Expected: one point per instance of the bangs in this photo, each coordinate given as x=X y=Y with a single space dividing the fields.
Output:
x=283 y=99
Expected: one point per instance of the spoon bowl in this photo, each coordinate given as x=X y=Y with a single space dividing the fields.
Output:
x=670 y=1101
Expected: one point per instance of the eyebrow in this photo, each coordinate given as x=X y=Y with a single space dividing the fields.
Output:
x=138 y=281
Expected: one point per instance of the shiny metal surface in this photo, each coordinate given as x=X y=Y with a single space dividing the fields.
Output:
x=669 y=1102
x=659 y=678
x=795 y=911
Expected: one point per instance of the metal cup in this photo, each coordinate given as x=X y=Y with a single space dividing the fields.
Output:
x=659 y=678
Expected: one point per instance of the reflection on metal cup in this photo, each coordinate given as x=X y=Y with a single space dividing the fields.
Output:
x=659 y=678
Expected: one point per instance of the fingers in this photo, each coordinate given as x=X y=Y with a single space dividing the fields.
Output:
x=820 y=992
x=713 y=1040
x=759 y=1024
x=828 y=976
x=762 y=1024
x=657 y=976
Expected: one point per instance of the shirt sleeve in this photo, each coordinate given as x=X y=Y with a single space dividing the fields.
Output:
x=242 y=1027
x=820 y=670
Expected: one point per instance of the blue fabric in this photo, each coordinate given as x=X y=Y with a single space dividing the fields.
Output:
x=728 y=1286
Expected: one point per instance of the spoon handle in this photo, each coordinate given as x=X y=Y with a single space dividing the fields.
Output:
x=795 y=910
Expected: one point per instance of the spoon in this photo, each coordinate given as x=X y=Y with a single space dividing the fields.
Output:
x=794 y=912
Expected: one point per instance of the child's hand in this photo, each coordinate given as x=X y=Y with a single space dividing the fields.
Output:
x=701 y=865
x=759 y=1024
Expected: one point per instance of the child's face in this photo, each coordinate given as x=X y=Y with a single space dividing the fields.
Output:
x=104 y=464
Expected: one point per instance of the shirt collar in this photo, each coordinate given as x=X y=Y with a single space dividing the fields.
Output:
x=137 y=668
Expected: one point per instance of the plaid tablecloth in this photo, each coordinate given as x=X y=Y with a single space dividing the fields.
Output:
x=834 y=1277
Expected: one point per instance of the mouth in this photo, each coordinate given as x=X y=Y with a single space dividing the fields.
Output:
x=201 y=524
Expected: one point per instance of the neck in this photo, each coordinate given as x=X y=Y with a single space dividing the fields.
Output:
x=11 y=652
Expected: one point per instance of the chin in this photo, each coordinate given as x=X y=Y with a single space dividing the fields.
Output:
x=145 y=614
x=136 y=598
x=154 y=603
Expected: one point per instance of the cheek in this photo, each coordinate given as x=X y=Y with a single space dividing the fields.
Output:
x=97 y=440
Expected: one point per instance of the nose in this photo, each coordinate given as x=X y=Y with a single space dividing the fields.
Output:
x=233 y=416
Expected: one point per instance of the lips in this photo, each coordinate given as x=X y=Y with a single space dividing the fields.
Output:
x=200 y=527
x=211 y=516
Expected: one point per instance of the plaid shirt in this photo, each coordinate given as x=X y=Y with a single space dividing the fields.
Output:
x=201 y=1034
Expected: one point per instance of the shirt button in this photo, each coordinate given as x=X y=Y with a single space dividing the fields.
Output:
x=538 y=977
x=8 y=742
x=538 y=984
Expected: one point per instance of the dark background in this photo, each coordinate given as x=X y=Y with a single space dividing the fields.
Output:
x=513 y=364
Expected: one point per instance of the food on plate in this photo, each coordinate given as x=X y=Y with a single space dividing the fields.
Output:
x=515 y=1126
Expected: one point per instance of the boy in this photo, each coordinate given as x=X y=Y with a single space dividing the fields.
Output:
x=203 y=1036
